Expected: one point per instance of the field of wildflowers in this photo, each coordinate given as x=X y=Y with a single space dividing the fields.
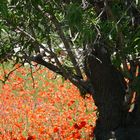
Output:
x=51 y=110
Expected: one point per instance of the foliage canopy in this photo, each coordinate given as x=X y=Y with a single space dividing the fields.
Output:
x=59 y=34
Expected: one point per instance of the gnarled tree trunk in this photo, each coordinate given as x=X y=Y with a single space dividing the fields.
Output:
x=114 y=121
x=109 y=86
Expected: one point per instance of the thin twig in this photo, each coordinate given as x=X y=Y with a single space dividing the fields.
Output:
x=32 y=38
x=63 y=38
x=31 y=69
x=119 y=19
x=6 y=76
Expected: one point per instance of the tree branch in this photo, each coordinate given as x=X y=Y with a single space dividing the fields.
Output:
x=26 y=34
x=63 y=38
x=38 y=59
x=6 y=76
x=59 y=70
x=82 y=85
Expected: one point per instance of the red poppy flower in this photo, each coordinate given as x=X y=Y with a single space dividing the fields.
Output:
x=56 y=129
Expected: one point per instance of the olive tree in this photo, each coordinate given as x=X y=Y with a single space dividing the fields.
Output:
x=92 y=43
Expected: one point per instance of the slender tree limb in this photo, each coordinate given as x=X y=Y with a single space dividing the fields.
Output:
x=120 y=39
x=6 y=76
x=38 y=59
x=63 y=38
x=120 y=44
x=71 y=55
x=26 y=34
x=46 y=50
x=33 y=80
x=76 y=80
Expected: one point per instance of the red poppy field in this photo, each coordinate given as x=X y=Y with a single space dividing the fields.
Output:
x=51 y=110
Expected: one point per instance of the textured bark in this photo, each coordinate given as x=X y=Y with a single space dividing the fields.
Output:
x=109 y=86
x=114 y=121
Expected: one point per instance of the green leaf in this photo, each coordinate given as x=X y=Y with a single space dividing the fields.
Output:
x=137 y=39
x=137 y=2
x=88 y=34
x=13 y=2
x=37 y=2
x=74 y=16
x=3 y=8
x=116 y=61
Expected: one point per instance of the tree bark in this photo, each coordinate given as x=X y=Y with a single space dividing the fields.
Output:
x=109 y=87
x=114 y=120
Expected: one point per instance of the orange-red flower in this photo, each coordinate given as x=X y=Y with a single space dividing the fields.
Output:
x=56 y=129
x=82 y=124
x=51 y=110
x=76 y=135
x=31 y=137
